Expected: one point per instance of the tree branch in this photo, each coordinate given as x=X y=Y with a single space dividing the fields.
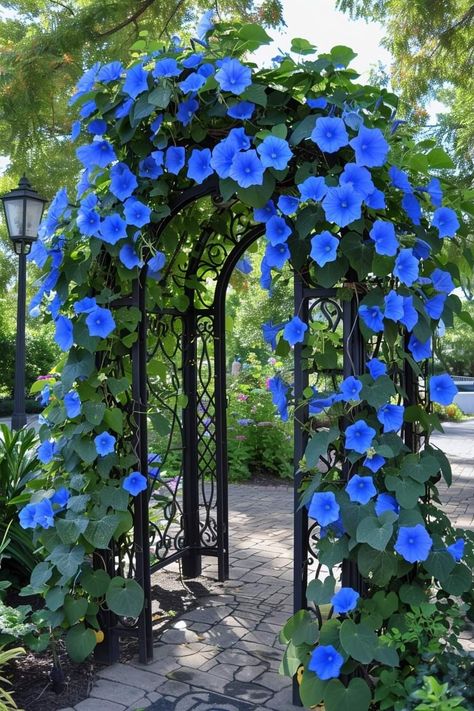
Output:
x=64 y=6
x=165 y=26
x=132 y=18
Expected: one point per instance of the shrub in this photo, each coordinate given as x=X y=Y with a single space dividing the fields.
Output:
x=6 y=699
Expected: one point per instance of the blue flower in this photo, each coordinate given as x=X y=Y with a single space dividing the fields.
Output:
x=44 y=514
x=370 y=147
x=85 y=305
x=329 y=134
x=205 y=25
x=399 y=179
x=186 y=111
x=324 y=248
x=38 y=254
x=199 y=165
x=134 y=483
x=175 y=159
x=446 y=221
x=410 y=314
x=457 y=549
x=312 y=189
x=157 y=262
x=372 y=316
x=274 y=152
x=239 y=139
x=192 y=83
x=247 y=169
x=435 y=306
x=156 y=125
x=376 y=368
x=222 y=156
x=129 y=257
x=46 y=451
x=383 y=235
x=27 y=516
x=63 y=334
x=279 y=389
x=167 y=67
x=270 y=332
x=110 y=72
x=241 y=110
x=386 y=502
x=87 y=109
x=359 y=436
x=374 y=462
x=277 y=255
x=342 y=205
x=277 y=230
x=136 y=213
x=85 y=83
x=435 y=192
x=149 y=167
x=376 y=200
x=393 y=306
x=104 y=444
x=350 y=389
x=72 y=403
x=124 y=109
x=88 y=222
x=135 y=81
x=358 y=178
x=60 y=497
x=361 y=489
x=324 y=508
x=326 y=662
x=419 y=350
x=287 y=204
x=352 y=118
x=244 y=265
x=96 y=154
x=100 y=322
x=233 y=76
x=45 y=396
x=113 y=228
x=442 y=281
x=406 y=267
x=294 y=331
x=263 y=214
x=391 y=417
x=194 y=60
x=421 y=249
x=123 y=182
x=318 y=404
x=442 y=389
x=413 y=543
x=345 y=600
x=97 y=127
x=412 y=208
x=318 y=103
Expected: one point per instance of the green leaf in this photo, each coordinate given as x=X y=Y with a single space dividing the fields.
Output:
x=293 y=658
x=99 y=533
x=386 y=604
x=253 y=35
x=160 y=97
x=312 y=689
x=439 y=159
x=355 y=697
x=75 y=608
x=359 y=254
x=113 y=419
x=439 y=564
x=66 y=559
x=69 y=530
x=258 y=195
x=379 y=392
x=321 y=591
x=95 y=582
x=329 y=275
x=302 y=46
x=160 y=423
x=79 y=363
x=141 y=109
x=54 y=598
x=342 y=55
x=300 y=619
x=256 y=93
x=125 y=597
x=40 y=575
x=85 y=448
x=80 y=642
x=118 y=385
x=303 y=130
x=412 y=594
x=443 y=463
x=114 y=496
x=94 y=412
x=375 y=532
x=380 y=565
x=407 y=491
x=318 y=445
x=333 y=552
x=359 y=641
x=458 y=581
x=387 y=655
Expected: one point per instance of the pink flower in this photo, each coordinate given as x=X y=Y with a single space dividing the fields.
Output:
x=242 y=398
x=240 y=438
x=267 y=383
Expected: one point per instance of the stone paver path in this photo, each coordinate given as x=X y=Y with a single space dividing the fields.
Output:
x=224 y=655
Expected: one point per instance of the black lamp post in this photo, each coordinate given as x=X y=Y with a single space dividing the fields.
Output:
x=23 y=211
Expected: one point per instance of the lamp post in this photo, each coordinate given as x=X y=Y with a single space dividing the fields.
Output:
x=23 y=211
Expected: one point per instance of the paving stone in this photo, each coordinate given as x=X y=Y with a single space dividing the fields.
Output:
x=91 y=705
x=234 y=656
x=116 y=692
x=127 y=674
x=142 y=704
x=174 y=636
x=273 y=681
x=248 y=692
x=249 y=673
x=210 y=615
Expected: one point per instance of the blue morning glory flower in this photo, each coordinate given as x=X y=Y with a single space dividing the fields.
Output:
x=113 y=228
x=326 y=662
x=263 y=214
x=412 y=208
x=277 y=230
x=134 y=483
x=63 y=335
x=372 y=316
x=406 y=267
x=199 y=165
x=435 y=306
x=342 y=205
x=435 y=192
x=457 y=549
x=352 y=118
x=350 y=389
x=358 y=178
x=313 y=189
x=88 y=222
x=75 y=131
x=270 y=332
x=278 y=389
x=413 y=543
x=110 y=72
x=247 y=169
x=329 y=134
x=88 y=108
x=324 y=248
x=383 y=236
x=192 y=83
x=287 y=204
x=318 y=103
x=136 y=213
x=205 y=25
x=233 y=76
x=129 y=257
x=104 y=444
x=85 y=305
x=175 y=159
x=194 y=60
x=391 y=417
x=166 y=68
x=244 y=265
x=46 y=451
x=374 y=462
x=157 y=262
x=100 y=322
x=421 y=249
x=242 y=110
x=345 y=600
x=186 y=111
x=123 y=182
x=370 y=147
x=376 y=200
x=419 y=350
x=239 y=139
x=38 y=254
x=27 y=516
x=294 y=331
x=442 y=389
x=393 y=306
x=274 y=152
x=376 y=368
x=276 y=256
x=359 y=436
x=156 y=125
x=386 y=502
x=222 y=156
x=60 y=497
x=446 y=221
x=149 y=167
x=324 y=508
x=124 y=109
x=72 y=404
x=206 y=70
x=96 y=154
x=442 y=281
x=45 y=396
x=399 y=179
x=44 y=514
x=97 y=127
x=318 y=404
x=410 y=314
x=135 y=81
x=85 y=83
x=360 y=489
